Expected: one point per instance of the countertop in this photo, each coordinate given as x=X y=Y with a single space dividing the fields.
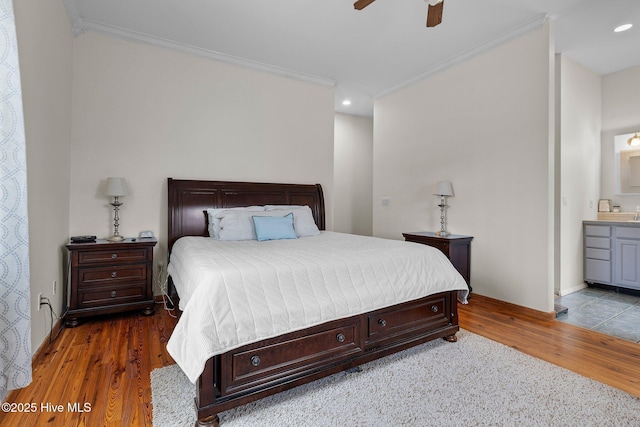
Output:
x=624 y=223
x=616 y=218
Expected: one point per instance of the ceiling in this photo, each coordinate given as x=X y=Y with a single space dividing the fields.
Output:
x=368 y=53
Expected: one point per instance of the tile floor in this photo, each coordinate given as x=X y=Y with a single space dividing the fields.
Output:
x=603 y=310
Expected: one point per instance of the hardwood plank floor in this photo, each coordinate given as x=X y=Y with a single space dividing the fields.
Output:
x=106 y=362
x=607 y=359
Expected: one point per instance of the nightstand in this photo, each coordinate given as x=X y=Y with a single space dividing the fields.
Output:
x=107 y=277
x=456 y=247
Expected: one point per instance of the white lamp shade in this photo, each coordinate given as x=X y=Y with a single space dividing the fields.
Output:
x=116 y=187
x=443 y=188
x=634 y=141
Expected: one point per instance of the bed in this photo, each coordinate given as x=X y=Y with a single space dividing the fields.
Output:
x=267 y=360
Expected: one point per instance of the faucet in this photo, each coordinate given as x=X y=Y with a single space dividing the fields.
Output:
x=637 y=216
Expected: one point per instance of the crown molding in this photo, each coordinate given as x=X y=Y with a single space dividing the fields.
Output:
x=80 y=25
x=533 y=24
x=75 y=16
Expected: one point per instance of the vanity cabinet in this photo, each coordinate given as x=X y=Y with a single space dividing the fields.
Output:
x=627 y=257
x=612 y=254
x=597 y=254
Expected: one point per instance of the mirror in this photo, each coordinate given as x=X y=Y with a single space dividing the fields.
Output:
x=627 y=166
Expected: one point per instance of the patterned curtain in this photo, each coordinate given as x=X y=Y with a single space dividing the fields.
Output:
x=15 y=318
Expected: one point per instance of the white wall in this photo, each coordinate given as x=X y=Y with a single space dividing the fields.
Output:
x=620 y=115
x=147 y=113
x=580 y=123
x=353 y=174
x=486 y=125
x=45 y=50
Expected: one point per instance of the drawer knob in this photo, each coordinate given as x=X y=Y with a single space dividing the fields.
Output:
x=340 y=337
x=113 y=294
x=114 y=273
x=255 y=360
x=114 y=256
x=434 y=308
x=382 y=322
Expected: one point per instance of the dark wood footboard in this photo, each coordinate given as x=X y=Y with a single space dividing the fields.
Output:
x=270 y=366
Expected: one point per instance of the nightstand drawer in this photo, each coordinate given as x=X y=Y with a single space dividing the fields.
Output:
x=112 y=256
x=442 y=245
x=112 y=295
x=112 y=275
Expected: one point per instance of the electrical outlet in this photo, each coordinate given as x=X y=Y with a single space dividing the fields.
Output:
x=55 y=286
x=38 y=300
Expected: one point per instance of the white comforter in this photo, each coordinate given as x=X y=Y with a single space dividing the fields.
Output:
x=233 y=293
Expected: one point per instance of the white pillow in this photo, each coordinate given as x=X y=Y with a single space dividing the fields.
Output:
x=303 y=220
x=214 y=221
x=274 y=207
x=238 y=225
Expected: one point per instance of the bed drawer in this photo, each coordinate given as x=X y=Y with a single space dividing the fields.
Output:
x=409 y=319
x=296 y=353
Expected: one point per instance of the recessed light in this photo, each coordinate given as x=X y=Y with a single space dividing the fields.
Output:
x=346 y=102
x=623 y=27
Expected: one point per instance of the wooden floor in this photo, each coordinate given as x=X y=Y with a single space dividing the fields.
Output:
x=106 y=363
x=608 y=359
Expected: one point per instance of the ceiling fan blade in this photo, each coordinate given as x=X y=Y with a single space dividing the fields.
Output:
x=361 y=4
x=434 y=14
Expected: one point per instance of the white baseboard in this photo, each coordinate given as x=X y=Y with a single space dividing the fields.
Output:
x=566 y=291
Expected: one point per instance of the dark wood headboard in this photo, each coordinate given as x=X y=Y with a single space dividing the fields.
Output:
x=189 y=199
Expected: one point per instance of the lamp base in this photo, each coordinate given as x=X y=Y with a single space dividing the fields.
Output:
x=115 y=238
x=442 y=233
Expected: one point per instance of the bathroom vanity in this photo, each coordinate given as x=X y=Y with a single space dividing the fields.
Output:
x=612 y=253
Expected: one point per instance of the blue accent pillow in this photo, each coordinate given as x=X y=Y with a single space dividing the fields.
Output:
x=274 y=227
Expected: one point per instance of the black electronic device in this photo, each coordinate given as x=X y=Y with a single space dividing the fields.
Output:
x=83 y=239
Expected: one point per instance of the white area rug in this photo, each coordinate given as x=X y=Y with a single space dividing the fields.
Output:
x=489 y=384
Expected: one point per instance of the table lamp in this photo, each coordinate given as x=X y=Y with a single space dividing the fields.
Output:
x=443 y=189
x=116 y=187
